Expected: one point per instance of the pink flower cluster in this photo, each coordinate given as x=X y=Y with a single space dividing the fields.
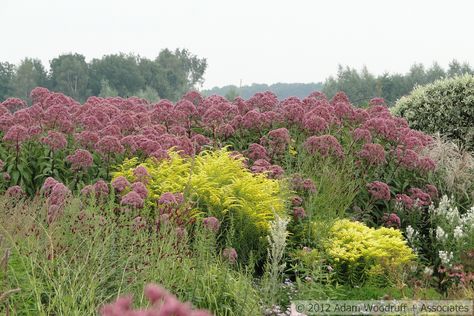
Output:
x=162 y=304
x=80 y=160
x=391 y=220
x=379 y=190
x=57 y=194
x=230 y=254
x=325 y=146
x=373 y=154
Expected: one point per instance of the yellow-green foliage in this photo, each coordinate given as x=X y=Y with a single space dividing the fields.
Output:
x=355 y=246
x=216 y=182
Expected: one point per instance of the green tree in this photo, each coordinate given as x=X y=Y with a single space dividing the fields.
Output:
x=69 y=74
x=29 y=74
x=232 y=94
x=121 y=71
x=7 y=73
x=179 y=71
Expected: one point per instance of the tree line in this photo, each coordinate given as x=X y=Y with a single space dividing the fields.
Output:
x=168 y=76
x=281 y=90
x=361 y=86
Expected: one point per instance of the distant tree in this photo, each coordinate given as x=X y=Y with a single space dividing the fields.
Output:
x=232 y=94
x=70 y=75
x=106 y=91
x=29 y=74
x=121 y=71
x=149 y=94
x=7 y=73
x=435 y=72
x=179 y=71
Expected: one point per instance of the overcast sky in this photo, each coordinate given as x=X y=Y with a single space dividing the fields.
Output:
x=249 y=40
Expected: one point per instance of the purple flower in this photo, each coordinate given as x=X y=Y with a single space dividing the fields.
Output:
x=55 y=140
x=141 y=174
x=230 y=255
x=405 y=201
x=141 y=189
x=133 y=199
x=81 y=159
x=15 y=192
x=373 y=154
x=120 y=183
x=211 y=223
x=379 y=190
x=324 y=145
x=391 y=220
x=299 y=213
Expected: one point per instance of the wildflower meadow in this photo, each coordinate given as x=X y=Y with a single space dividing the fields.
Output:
x=122 y=206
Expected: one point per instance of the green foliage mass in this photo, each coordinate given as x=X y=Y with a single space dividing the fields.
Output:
x=445 y=106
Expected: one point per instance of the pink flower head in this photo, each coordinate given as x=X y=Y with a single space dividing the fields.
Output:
x=377 y=101
x=55 y=140
x=432 y=191
x=379 y=190
x=120 y=183
x=426 y=164
x=59 y=194
x=108 y=145
x=225 y=130
x=80 y=160
x=251 y=120
x=48 y=186
x=362 y=134
x=141 y=174
x=314 y=123
x=339 y=97
x=38 y=94
x=87 y=138
x=141 y=189
x=211 y=223
x=256 y=152
x=373 y=154
x=405 y=201
x=16 y=134
x=308 y=185
x=169 y=198
x=15 y=192
x=133 y=199
x=297 y=201
x=101 y=188
x=324 y=145
x=391 y=220
x=230 y=255
x=14 y=104
x=407 y=158
x=155 y=293
x=420 y=197
x=299 y=213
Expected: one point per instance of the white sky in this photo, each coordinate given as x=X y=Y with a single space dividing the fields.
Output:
x=253 y=41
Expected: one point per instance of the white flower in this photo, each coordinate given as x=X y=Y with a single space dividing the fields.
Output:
x=428 y=271
x=440 y=234
x=411 y=233
x=458 y=233
x=445 y=257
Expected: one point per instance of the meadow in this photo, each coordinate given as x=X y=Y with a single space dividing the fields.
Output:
x=120 y=206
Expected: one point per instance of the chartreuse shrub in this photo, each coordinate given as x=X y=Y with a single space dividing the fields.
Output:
x=445 y=106
x=217 y=184
x=359 y=253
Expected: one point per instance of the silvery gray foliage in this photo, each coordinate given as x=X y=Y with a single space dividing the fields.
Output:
x=445 y=106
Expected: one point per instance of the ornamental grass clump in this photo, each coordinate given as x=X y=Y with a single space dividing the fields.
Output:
x=359 y=253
